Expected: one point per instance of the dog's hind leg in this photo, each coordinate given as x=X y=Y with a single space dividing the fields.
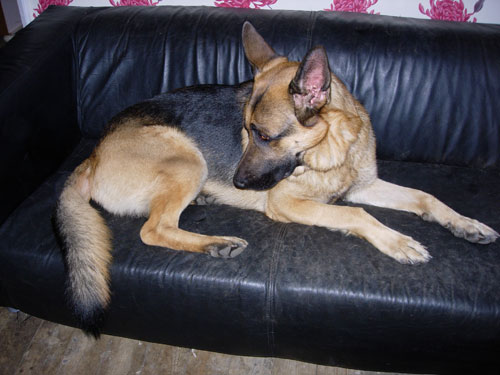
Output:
x=385 y=194
x=179 y=181
x=156 y=171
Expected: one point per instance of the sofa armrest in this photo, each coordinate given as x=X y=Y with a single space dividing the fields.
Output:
x=38 y=125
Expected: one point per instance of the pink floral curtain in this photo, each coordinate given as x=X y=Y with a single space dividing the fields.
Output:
x=451 y=10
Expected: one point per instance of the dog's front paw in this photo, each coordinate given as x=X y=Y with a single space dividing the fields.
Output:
x=228 y=247
x=409 y=251
x=473 y=231
x=402 y=248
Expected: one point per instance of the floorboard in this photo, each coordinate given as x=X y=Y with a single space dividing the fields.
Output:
x=29 y=345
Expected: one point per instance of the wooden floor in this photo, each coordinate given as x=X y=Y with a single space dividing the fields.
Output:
x=29 y=345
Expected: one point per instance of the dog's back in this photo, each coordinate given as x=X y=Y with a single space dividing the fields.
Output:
x=210 y=115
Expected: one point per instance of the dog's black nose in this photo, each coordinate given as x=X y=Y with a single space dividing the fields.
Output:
x=240 y=182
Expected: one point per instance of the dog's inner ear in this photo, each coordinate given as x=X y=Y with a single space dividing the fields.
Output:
x=310 y=88
x=258 y=52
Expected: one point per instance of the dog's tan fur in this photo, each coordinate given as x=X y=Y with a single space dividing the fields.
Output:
x=157 y=171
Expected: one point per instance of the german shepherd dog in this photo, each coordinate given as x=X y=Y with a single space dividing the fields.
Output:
x=286 y=144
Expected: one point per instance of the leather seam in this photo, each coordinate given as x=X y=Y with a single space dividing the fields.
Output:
x=269 y=314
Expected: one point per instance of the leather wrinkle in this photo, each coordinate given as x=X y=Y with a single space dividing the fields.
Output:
x=310 y=28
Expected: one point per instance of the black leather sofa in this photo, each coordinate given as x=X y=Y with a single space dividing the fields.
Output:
x=433 y=91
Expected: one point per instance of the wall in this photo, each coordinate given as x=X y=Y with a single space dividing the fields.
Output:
x=11 y=15
x=484 y=11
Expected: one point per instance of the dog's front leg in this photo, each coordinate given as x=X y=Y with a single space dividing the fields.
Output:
x=385 y=194
x=352 y=220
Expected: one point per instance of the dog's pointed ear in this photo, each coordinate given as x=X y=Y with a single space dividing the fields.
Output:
x=258 y=52
x=310 y=88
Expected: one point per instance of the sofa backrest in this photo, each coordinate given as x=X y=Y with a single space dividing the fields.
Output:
x=432 y=88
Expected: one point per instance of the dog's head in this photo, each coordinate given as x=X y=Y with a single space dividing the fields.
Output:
x=281 y=117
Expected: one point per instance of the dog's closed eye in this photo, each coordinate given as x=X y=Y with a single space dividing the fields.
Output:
x=262 y=136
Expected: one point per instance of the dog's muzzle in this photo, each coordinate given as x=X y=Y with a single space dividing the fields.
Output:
x=247 y=179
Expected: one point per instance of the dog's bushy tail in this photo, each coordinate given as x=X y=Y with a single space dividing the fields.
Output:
x=86 y=243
